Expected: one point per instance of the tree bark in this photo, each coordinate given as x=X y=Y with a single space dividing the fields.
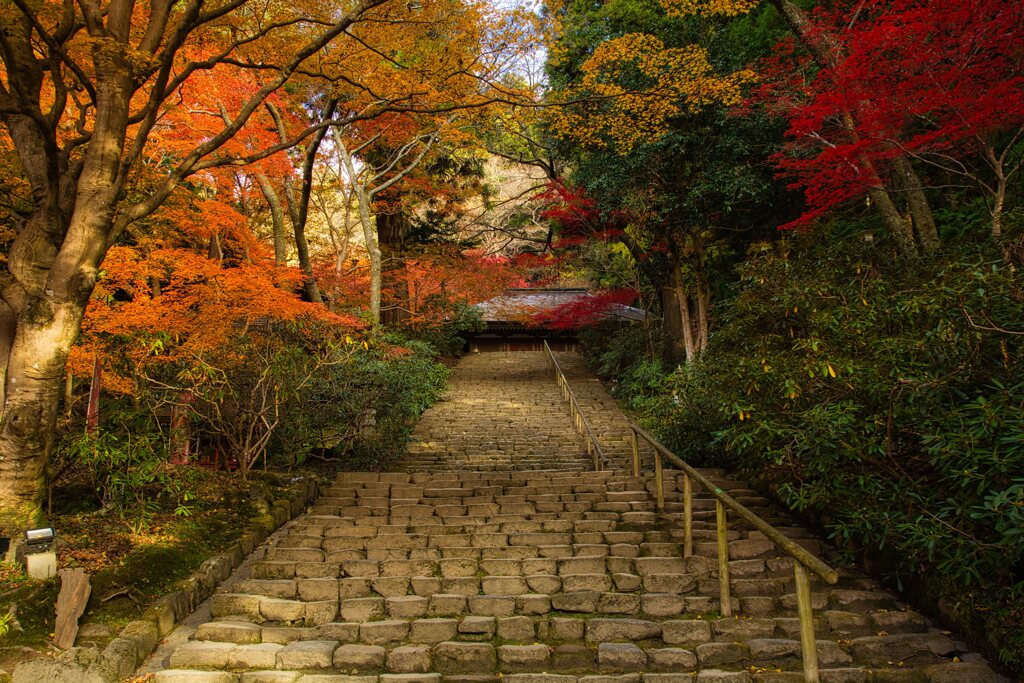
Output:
x=703 y=303
x=917 y=202
x=686 y=320
x=369 y=231
x=276 y=218
x=391 y=230
x=298 y=207
x=311 y=288
x=673 y=350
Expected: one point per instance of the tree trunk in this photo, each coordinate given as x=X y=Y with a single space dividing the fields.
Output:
x=369 y=231
x=673 y=350
x=53 y=286
x=391 y=230
x=276 y=218
x=686 y=321
x=703 y=301
x=900 y=228
x=8 y=326
x=917 y=202
x=302 y=246
x=214 y=252
x=34 y=380
x=997 y=163
x=298 y=207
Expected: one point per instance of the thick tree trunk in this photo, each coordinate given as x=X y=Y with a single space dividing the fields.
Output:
x=391 y=231
x=34 y=380
x=673 y=350
x=686 y=321
x=276 y=218
x=900 y=228
x=8 y=326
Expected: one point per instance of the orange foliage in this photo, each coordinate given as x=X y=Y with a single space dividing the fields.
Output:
x=438 y=283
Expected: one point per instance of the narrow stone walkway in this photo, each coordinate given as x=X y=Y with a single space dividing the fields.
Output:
x=503 y=412
x=495 y=558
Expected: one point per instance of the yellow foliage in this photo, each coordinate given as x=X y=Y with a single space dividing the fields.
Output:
x=663 y=82
x=724 y=8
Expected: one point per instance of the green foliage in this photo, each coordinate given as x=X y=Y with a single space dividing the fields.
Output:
x=404 y=385
x=126 y=465
x=5 y=623
x=285 y=395
x=881 y=398
x=448 y=337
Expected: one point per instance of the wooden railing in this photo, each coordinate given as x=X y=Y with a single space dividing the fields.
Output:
x=579 y=419
x=802 y=559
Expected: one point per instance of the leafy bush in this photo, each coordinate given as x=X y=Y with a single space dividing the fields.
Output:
x=881 y=398
x=296 y=391
x=128 y=470
x=448 y=337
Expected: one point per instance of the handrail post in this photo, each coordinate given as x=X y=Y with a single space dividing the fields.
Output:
x=659 y=481
x=725 y=607
x=576 y=412
x=687 y=515
x=636 y=454
x=808 y=644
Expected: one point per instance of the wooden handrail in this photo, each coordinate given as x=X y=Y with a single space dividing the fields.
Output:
x=802 y=559
x=787 y=544
x=579 y=419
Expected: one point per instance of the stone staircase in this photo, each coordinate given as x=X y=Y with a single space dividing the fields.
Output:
x=549 y=575
x=500 y=414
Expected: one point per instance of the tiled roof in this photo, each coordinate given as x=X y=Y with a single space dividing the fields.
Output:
x=514 y=304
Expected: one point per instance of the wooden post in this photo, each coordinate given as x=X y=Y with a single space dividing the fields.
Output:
x=808 y=644
x=659 y=481
x=74 y=594
x=687 y=516
x=723 y=560
x=92 y=411
x=636 y=454
x=69 y=385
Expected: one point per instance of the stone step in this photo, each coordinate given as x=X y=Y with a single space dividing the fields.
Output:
x=588 y=629
x=637 y=652
x=945 y=672
x=319 y=601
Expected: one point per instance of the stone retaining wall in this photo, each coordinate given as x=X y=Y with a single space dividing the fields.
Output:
x=135 y=642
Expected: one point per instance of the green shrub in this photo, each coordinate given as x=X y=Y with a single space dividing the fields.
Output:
x=127 y=467
x=881 y=398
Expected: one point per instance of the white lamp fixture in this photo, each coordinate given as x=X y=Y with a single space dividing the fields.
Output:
x=40 y=559
x=39 y=540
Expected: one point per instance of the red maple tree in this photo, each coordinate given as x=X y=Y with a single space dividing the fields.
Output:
x=938 y=82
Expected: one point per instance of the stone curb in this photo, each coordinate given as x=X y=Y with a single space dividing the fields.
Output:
x=139 y=638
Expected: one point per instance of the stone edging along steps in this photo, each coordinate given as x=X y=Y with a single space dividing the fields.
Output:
x=492 y=573
x=119 y=659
